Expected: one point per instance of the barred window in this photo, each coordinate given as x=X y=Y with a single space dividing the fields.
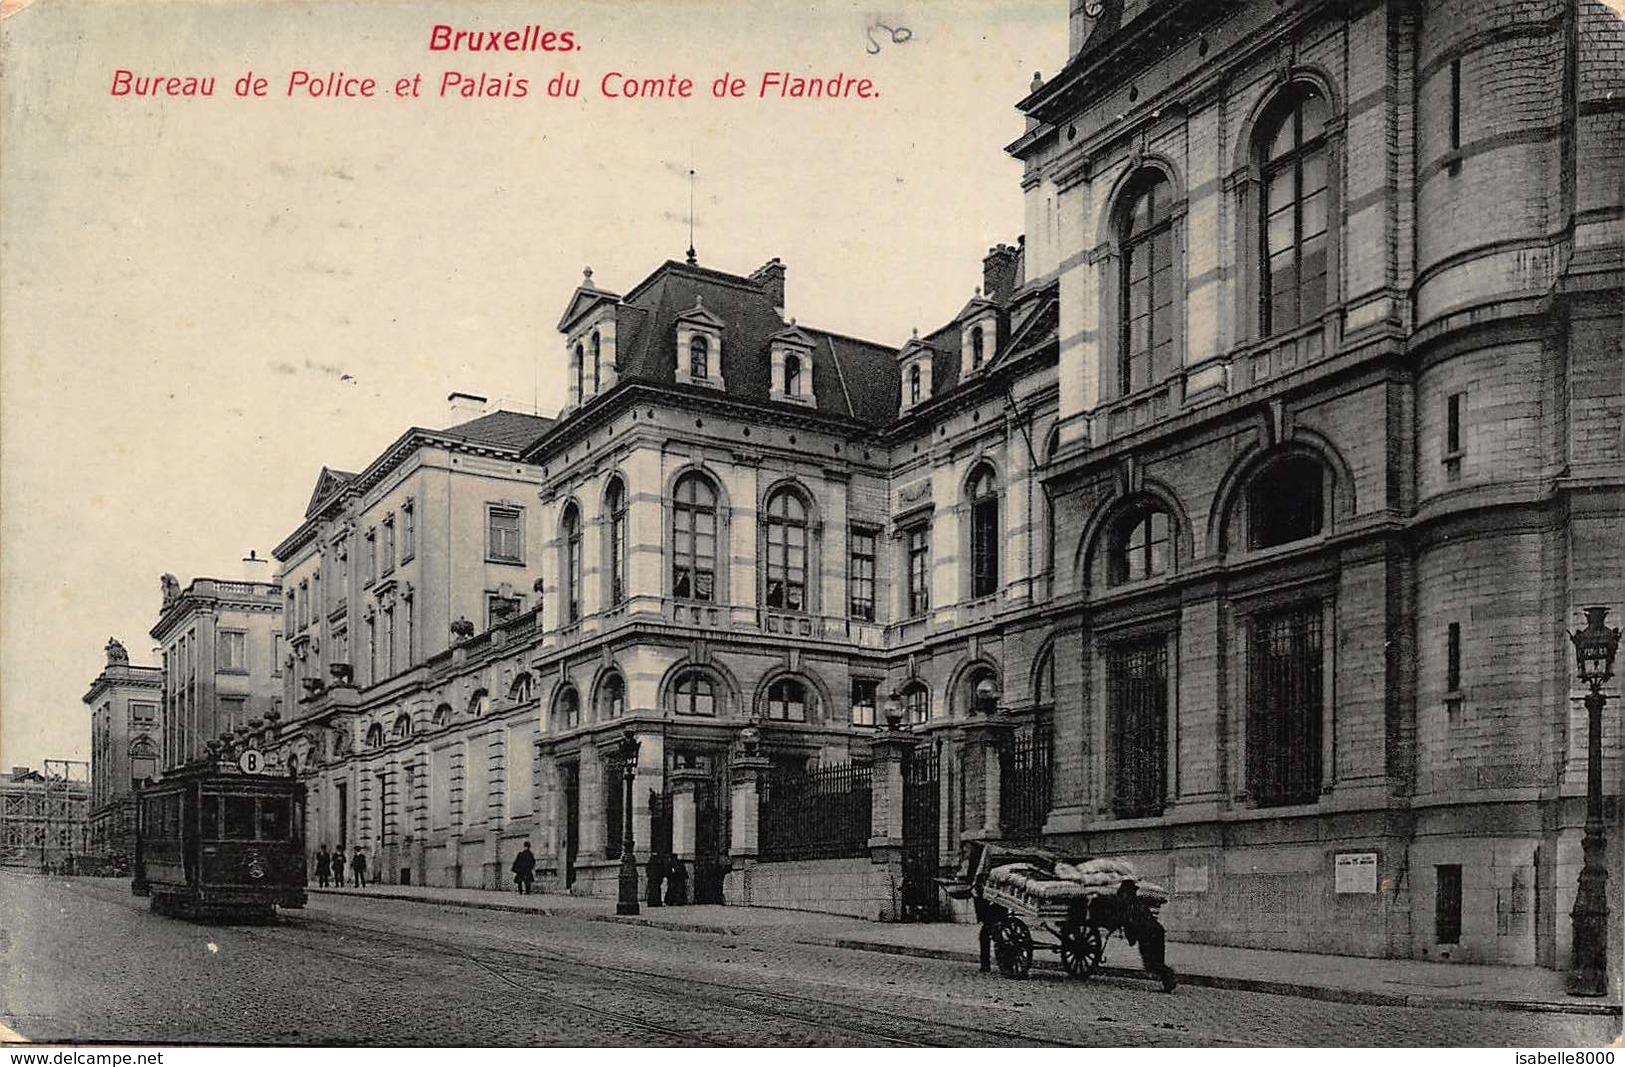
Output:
x=787 y=700
x=1293 y=158
x=786 y=533
x=694 y=539
x=861 y=575
x=1284 y=707
x=984 y=534
x=1137 y=689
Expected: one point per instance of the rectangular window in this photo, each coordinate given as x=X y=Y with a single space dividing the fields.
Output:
x=239 y=820
x=919 y=572
x=1447 y=904
x=231 y=651
x=614 y=807
x=233 y=712
x=409 y=529
x=984 y=540
x=389 y=641
x=502 y=540
x=406 y=634
x=1452 y=653
x=389 y=544
x=276 y=654
x=143 y=714
x=372 y=556
x=1285 y=698
x=1137 y=689
x=1455 y=104
x=861 y=576
x=863 y=701
x=1452 y=425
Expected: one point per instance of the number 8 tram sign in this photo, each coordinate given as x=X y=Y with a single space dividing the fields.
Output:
x=252 y=761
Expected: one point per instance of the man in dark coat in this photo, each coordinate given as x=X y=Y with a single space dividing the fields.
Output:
x=358 y=868
x=322 y=862
x=524 y=869
x=1140 y=925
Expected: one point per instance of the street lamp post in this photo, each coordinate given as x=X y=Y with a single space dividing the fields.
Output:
x=1594 y=649
x=627 y=903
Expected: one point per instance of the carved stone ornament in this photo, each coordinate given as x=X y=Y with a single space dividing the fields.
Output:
x=171 y=587
x=117 y=656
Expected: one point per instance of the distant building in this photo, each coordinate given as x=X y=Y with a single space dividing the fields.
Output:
x=125 y=704
x=221 y=642
x=44 y=817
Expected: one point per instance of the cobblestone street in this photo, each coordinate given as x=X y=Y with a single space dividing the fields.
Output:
x=84 y=961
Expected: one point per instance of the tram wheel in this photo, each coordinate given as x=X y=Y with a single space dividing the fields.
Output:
x=1013 y=948
x=1082 y=949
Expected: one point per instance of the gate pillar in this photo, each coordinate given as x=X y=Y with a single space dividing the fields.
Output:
x=889 y=749
x=749 y=768
x=991 y=736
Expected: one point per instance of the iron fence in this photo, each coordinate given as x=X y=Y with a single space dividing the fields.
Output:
x=1026 y=781
x=815 y=814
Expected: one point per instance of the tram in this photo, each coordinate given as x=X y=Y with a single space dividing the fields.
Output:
x=213 y=841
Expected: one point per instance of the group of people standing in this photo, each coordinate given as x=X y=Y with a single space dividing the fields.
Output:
x=330 y=867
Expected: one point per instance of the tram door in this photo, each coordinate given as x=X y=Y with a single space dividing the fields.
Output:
x=571 y=775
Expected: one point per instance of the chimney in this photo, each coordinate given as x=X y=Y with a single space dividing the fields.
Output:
x=255 y=568
x=465 y=406
x=769 y=278
x=999 y=272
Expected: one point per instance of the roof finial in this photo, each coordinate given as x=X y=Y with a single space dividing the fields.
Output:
x=914 y=334
x=1038 y=81
x=692 y=259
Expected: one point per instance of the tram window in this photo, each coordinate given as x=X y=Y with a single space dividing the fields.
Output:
x=209 y=817
x=273 y=819
x=239 y=819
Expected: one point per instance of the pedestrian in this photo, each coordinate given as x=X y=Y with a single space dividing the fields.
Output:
x=1140 y=925
x=524 y=869
x=322 y=861
x=358 y=869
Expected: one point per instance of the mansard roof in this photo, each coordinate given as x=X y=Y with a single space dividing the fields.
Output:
x=502 y=429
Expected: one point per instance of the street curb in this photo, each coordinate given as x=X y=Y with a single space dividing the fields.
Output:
x=1300 y=990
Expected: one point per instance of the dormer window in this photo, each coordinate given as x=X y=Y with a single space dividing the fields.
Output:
x=975 y=347
x=914 y=366
x=914 y=385
x=790 y=355
x=699 y=347
x=588 y=326
x=792 y=376
x=699 y=359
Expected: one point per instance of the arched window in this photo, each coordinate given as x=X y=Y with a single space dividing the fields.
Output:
x=612 y=696
x=477 y=702
x=293 y=766
x=570 y=571
x=519 y=691
x=984 y=533
x=914 y=384
x=403 y=726
x=694 y=539
x=442 y=715
x=694 y=695
x=567 y=709
x=699 y=359
x=1285 y=502
x=787 y=701
x=1044 y=679
x=1146 y=347
x=785 y=529
x=1292 y=162
x=916 y=704
x=975 y=347
x=597 y=362
x=1139 y=546
x=615 y=505
x=375 y=735
x=792 y=375
x=578 y=362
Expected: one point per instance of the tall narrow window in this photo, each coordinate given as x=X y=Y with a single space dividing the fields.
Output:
x=786 y=536
x=699 y=359
x=792 y=376
x=612 y=697
x=578 y=371
x=409 y=529
x=1455 y=104
x=919 y=571
x=1137 y=687
x=694 y=695
x=614 y=790
x=1452 y=671
x=787 y=701
x=1452 y=425
x=597 y=362
x=1285 y=704
x=1447 y=904
x=694 y=539
x=984 y=534
x=914 y=384
x=917 y=704
x=861 y=575
x=615 y=504
x=1145 y=350
x=571 y=571
x=975 y=347
x=389 y=544
x=863 y=701
x=567 y=710
x=1293 y=166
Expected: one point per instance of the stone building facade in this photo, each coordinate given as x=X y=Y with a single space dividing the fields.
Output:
x=45 y=817
x=1233 y=525
x=126 y=731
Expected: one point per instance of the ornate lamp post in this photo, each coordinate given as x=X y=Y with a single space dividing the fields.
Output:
x=1594 y=649
x=627 y=903
x=986 y=696
x=893 y=712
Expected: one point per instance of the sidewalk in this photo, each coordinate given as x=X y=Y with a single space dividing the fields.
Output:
x=1346 y=979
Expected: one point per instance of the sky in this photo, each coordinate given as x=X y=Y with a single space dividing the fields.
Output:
x=205 y=300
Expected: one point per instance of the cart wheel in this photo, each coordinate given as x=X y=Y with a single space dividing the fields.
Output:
x=1082 y=949
x=1013 y=948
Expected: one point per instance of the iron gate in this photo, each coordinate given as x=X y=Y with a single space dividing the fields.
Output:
x=1025 y=781
x=921 y=859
